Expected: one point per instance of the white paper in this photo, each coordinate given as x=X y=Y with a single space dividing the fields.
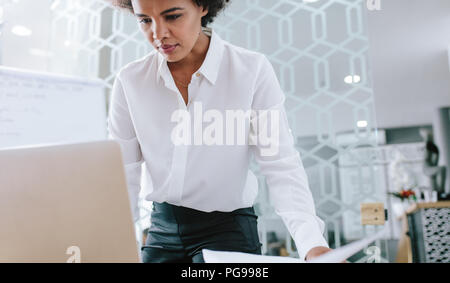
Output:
x=237 y=257
x=343 y=253
x=336 y=256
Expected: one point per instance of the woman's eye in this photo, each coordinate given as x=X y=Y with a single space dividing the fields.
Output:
x=172 y=17
x=145 y=21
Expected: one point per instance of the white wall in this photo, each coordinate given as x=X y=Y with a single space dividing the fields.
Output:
x=410 y=65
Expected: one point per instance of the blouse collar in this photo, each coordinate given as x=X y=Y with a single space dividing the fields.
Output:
x=211 y=64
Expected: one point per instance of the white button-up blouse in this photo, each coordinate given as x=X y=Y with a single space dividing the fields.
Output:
x=147 y=114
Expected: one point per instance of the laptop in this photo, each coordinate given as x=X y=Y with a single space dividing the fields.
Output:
x=65 y=203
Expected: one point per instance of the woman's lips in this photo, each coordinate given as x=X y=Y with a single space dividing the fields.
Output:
x=168 y=48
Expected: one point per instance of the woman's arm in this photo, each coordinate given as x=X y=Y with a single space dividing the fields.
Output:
x=281 y=165
x=121 y=129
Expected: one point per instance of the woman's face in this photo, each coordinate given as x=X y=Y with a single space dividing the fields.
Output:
x=171 y=26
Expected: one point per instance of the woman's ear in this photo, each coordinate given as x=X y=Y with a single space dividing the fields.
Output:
x=205 y=11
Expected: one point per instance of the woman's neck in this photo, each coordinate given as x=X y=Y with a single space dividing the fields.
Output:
x=193 y=61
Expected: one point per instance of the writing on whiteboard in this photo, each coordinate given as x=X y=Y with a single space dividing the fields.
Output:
x=38 y=108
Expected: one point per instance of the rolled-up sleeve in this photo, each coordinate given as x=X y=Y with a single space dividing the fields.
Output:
x=283 y=169
x=121 y=129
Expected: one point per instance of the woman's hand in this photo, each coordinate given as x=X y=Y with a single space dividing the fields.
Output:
x=316 y=252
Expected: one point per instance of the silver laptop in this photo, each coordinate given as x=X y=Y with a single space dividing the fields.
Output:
x=65 y=203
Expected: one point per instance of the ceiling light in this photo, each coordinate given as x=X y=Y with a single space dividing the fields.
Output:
x=21 y=31
x=352 y=79
x=362 y=124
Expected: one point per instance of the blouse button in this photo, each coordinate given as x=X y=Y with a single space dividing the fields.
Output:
x=198 y=74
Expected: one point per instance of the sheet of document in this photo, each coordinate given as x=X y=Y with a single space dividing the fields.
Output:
x=335 y=256
x=236 y=257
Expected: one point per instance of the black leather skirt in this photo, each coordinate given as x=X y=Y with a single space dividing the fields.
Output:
x=179 y=234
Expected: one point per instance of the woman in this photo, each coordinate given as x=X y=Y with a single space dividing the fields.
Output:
x=195 y=110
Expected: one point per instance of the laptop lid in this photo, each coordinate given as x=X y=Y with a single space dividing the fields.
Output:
x=65 y=203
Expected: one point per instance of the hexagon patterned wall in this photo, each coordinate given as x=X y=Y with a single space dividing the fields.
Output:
x=319 y=50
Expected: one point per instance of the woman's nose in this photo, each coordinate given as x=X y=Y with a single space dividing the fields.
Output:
x=160 y=31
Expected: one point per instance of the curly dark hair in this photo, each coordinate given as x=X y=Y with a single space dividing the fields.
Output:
x=213 y=6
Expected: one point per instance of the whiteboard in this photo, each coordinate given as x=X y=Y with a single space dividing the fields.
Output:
x=41 y=108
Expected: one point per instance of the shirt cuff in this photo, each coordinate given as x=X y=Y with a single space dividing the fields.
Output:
x=308 y=237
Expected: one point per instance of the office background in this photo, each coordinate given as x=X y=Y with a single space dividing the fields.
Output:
x=360 y=84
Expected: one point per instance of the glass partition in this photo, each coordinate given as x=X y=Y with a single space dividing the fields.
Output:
x=319 y=50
